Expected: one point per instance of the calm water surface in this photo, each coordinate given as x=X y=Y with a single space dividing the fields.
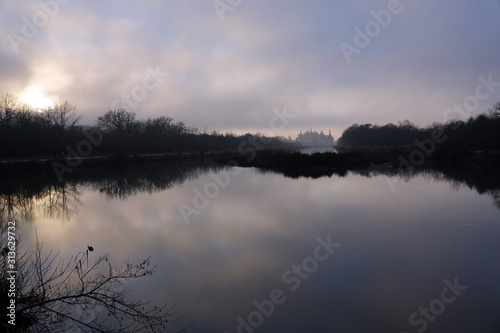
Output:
x=259 y=237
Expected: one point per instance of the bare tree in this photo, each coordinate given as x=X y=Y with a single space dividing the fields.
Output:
x=79 y=295
x=178 y=128
x=62 y=115
x=118 y=120
x=9 y=103
x=494 y=112
x=159 y=126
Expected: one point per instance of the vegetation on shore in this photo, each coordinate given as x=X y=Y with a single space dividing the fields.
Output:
x=295 y=164
x=55 y=132
x=25 y=132
x=473 y=144
x=481 y=132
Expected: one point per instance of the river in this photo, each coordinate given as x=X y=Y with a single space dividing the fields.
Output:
x=240 y=250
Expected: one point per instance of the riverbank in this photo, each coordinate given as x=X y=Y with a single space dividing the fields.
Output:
x=102 y=160
x=295 y=164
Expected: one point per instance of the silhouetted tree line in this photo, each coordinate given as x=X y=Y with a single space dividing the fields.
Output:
x=296 y=164
x=479 y=132
x=26 y=132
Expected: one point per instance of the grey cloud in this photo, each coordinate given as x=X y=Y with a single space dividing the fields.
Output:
x=230 y=74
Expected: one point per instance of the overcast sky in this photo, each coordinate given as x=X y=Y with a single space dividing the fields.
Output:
x=229 y=67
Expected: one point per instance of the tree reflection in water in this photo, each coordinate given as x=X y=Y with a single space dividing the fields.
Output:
x=26 y=198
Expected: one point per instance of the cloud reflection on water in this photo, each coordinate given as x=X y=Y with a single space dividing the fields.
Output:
x=396 y=247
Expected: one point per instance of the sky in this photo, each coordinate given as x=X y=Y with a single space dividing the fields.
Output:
x=230 y=65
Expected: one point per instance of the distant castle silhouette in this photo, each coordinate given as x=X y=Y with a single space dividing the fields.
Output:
x=312 y=138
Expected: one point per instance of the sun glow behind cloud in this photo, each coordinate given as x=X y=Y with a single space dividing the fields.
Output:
x=35 y=98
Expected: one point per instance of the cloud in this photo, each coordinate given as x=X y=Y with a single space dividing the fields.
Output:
x=265 y=54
